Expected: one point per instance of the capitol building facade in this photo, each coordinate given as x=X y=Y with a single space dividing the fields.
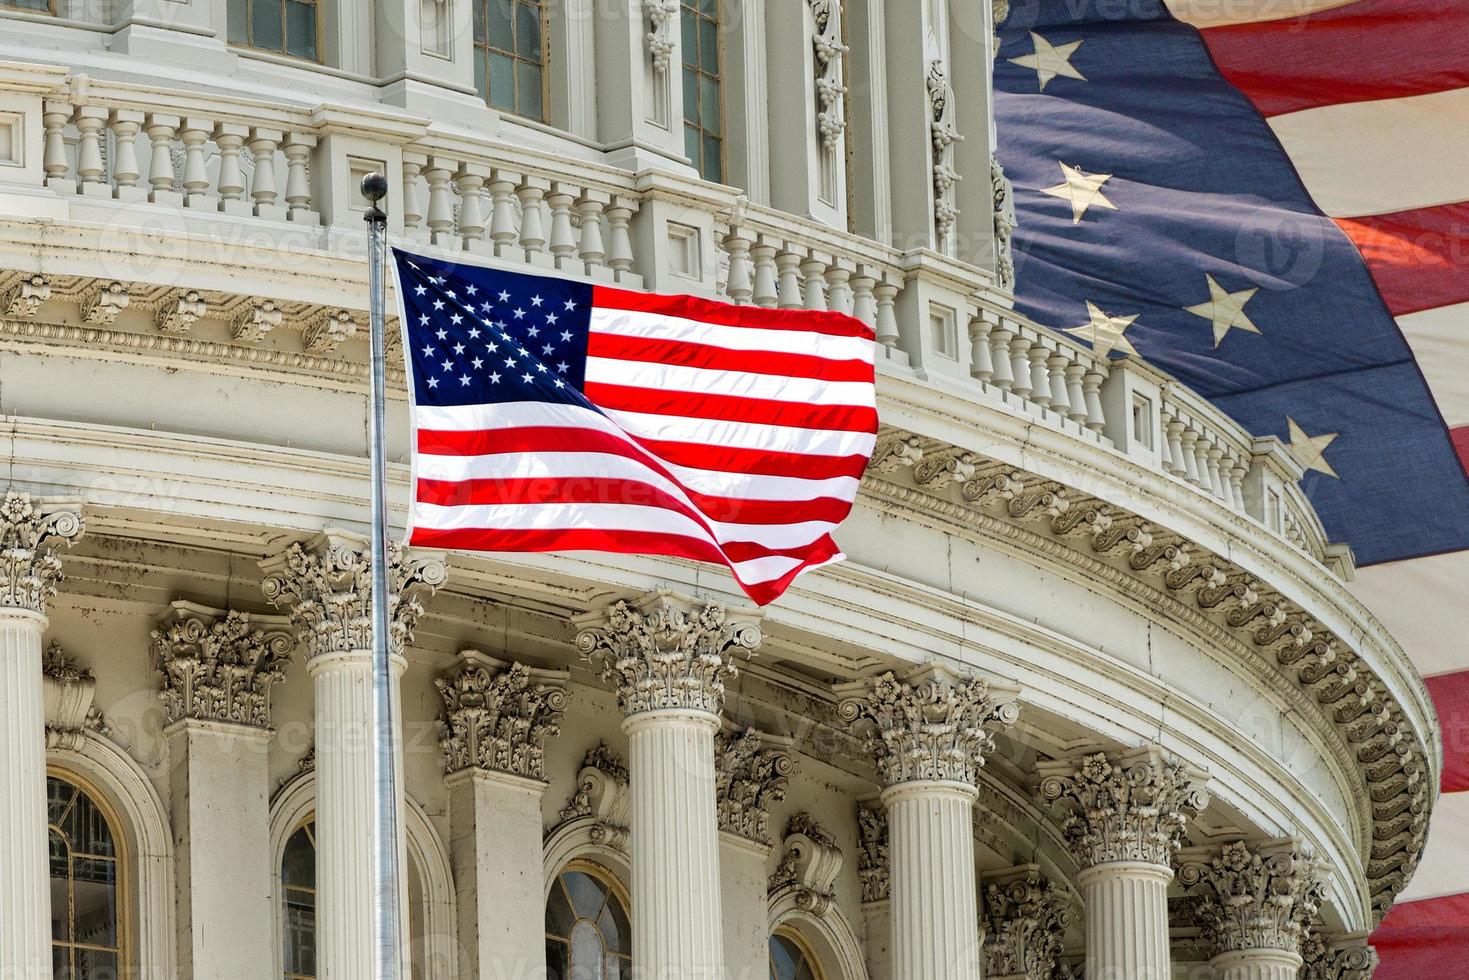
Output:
x=1090 y=696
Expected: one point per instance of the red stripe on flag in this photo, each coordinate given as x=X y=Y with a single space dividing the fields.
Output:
x=487 y=442
x=1424 y=940
x=728 y=315
x=1360 y=52
x=1419 y=258
x=686 y=354
x=1450 y=694
x=752 y=411
x=638 y=493
x=1460 y=436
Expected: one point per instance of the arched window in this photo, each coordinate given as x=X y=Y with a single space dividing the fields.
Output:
x=86 y=869
x=703 y=100
x=588 y=936
x=40 y=6
x=286 y=27
x=510 y=55
x=790 y=959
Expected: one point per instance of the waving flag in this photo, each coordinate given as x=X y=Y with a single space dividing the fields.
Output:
x=555 y=415
x=1270 y=200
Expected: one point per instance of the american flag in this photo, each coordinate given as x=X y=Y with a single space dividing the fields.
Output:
x=550 y=414
x=1273 y=195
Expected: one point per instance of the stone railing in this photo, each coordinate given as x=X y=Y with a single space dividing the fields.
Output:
x=232 y=168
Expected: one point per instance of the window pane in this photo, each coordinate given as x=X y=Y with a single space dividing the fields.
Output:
x=621 y=942
x=265 y=24
x=502 y=81
x=530 y=89
x=60 y=904
x=586 y=893
x=479 y=21
x=690 y=29
x=528 y=31
x=94 y=964
x=301 y=29
x=60 y=963
x=298 y=865
x=709 y=46
x=691 y=143
x=709 y=104
x=709 y=7
x=713 y=165
x=501 y=35
x=558 y=966
x=559 y=917
x=239 y=22
x=481 y=80
x=587 y=953
x=690 y=95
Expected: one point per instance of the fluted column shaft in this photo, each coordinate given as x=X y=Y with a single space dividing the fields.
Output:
x=25 y=897
x=935 y=916
x=1126 y=920
x=1256 y=964
x=677 y=919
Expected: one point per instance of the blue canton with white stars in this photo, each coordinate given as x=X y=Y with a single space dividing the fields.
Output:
x=484 y=336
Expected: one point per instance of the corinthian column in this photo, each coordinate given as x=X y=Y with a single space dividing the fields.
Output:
x=930 y=734
x=497 y=717
x=1123 y=820
x=1025 y=921
x=29 y=571
x=218 y=668
x=1340 y=957
x=1257 y=905
x=327 y=585
x=752 y=771
x=669 y=657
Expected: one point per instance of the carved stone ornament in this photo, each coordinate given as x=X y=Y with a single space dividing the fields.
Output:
x=831 y=117
x=1133 y=809
x=944 y=134
x=1255 y=897
x=498 y=716
x=327 y=585
x=329 y=328
x=216 y=666
x=667 y=651
x=69 y=689
x=748 y=779
x=1004 y=206
x=809 y=864
x=934 y=726
x=102 y=303
x=1025 y=919
x=601 y=794
x=179 y=311
x=872 y=853
x=1338 y=958
x=29 y=568
x=661 y=16
x=252 y=323
x=25 y=297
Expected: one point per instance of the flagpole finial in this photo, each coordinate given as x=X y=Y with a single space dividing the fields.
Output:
x=375 y=188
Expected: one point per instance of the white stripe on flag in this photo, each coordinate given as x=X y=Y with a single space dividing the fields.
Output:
x=1438 y=339
x=1219 y=13
x=702 y=381
x=656 y=326
x=743 y=435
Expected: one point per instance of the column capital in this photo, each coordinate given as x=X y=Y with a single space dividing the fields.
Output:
x=1260 y=896
x=1131 y=807
x=1025 y=916
x=498 y=715
x=327 y=584
x=932 y=725
x=749 y=776
x=30 y=529
x=872 y=853
x=218 y=665
x=809 y=864
x=666 y=650
x=1341 y=957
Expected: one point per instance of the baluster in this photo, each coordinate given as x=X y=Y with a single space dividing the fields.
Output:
x=839 y=289
x=126 y=123
x=1237 y=473
x=1040 y=382
x=262 y=146
x=1000 y=355
x=1201 y=462
x=54 y=118
x=765 y=290
x=619 y=248
x=1091 y=386
x=93 y=174
x=563 y=236
x=230 y=138
x=1187 y=440
x=468 y=182
x=161 y=131
x=297 y=149
x=440 y=206
x=1216 y=479
x=739 y=286
x=813 y=280
x=194 y=134
x=503 y=230
x=1173 y=445
x=1075 y=396
x=413 y=164
x=532 y=228
x=864 y=304
x=887 y=314
x=589 y=209
x=1060 y=399
x=981 y=365
x=789 y=293
x=1020 y=365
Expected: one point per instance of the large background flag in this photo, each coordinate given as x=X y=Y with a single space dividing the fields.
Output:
x=1270 y=200
x=554 y=415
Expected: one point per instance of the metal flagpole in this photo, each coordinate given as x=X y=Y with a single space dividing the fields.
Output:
x=385 y=823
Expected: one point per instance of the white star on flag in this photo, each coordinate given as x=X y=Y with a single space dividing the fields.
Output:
x=1310 y=451
x=1083 y=190
x=1050 y=60
x=1225 y=310
x=1105 y=332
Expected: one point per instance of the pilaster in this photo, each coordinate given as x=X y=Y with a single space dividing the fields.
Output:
x=640 y=94
x=1025 y=917
x=29 y=572
x=752 y=770
x=873 y=873
x=497 y=718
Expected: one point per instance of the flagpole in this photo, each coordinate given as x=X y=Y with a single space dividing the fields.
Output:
x=386 y=888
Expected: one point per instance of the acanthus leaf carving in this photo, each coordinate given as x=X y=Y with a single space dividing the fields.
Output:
x=1262 y=896
x=69 y=689
x=103 y=302
x=1346 y=957
x=809 y=864
x=1025 y=917
x=25 y=297
x=29 y=532
x=872 y=853
x=498 y=716
x=328 y=329
x=749 y=778
x=179 y=311
x=218 y=666
x=601 y=795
